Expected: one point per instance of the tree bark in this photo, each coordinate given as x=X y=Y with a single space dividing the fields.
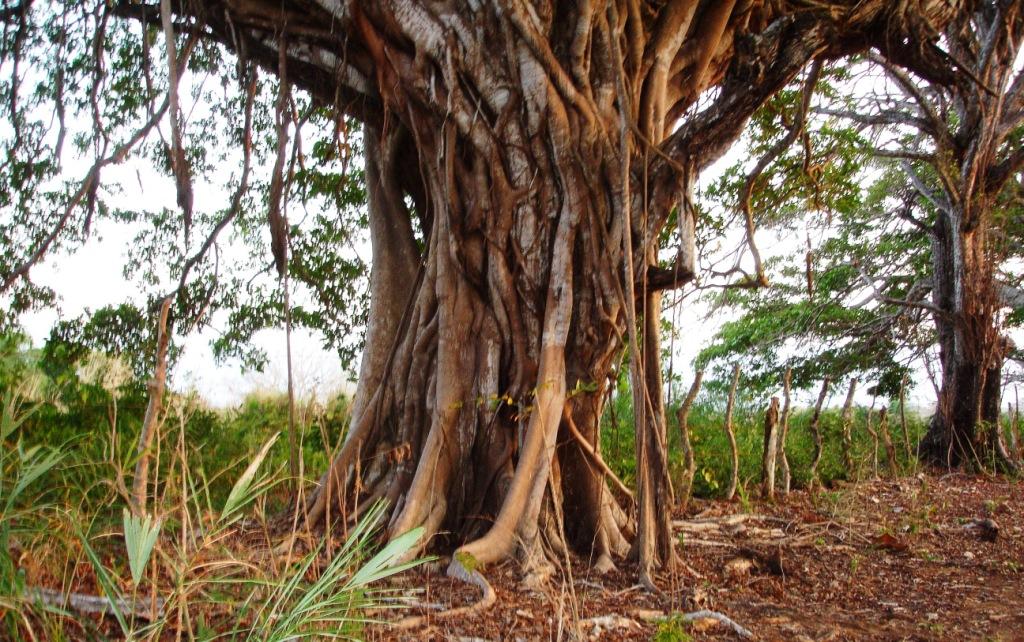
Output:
x=890 y=449
x=393 y=276
x=771 y=444
x=683 y=419
x=734 y=471
x=784 y=432
x=1014 y=415
x=969 y=343
x=869 y=426
x=154 y=408
x=815 y=428
x=903 y=419
x=1005 y=454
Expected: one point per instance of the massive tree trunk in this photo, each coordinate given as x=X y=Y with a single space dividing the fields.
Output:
x=973 y=158
x=968 y=341
x=542 y=147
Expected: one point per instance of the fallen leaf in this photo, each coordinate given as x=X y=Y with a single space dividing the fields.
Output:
x=890 y=543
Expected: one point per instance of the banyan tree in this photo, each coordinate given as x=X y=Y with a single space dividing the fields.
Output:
x=523 y=161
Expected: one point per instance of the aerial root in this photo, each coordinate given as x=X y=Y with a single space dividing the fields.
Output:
x=457 y=571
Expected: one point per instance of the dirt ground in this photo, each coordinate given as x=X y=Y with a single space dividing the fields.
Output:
x=910 y=559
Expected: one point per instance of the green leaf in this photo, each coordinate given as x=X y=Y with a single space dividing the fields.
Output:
x=245 y=490
x=140 y=535
x=386 y=562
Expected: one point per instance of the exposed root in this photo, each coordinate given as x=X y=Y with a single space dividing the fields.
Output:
x=721 y=618
x=702 y=614
x=458 y=571
x=647 y=582
x=604 y=564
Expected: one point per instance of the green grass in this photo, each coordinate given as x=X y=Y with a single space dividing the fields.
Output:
x=67 y=453
x=711 y=445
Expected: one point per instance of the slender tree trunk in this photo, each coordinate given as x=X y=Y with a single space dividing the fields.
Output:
x=1012 y=432
x=815 y=428
x=654 y=489
x=734 y=474
x=903 y=419
x=771 y=445
x=847 y=419
x=890 y=448
x=1005 y=455
x=1015 y=426
x=154 y=408
x=869 y=426
x=689 y=463
x=294 y=465
x=784 y=432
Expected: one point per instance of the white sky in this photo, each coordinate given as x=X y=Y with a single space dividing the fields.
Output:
x=92 y=277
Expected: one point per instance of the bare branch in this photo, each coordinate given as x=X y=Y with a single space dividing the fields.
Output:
x=881 y=118
x=782 y=145
x=911 y=88
x=937 y=201
x=882 y=298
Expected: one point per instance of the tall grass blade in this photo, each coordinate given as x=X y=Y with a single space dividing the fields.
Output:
x=245 y=489
x=33 y=465
x=13 y=416
x=105 y=582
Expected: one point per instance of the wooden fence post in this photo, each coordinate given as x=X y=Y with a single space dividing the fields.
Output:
x=874 y=440
x=1015 y=424
x=890 y=449
x=903 y=418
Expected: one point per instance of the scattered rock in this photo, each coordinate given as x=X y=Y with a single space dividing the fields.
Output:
x=987 y=529
x=598 y=625
x=738 y=567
